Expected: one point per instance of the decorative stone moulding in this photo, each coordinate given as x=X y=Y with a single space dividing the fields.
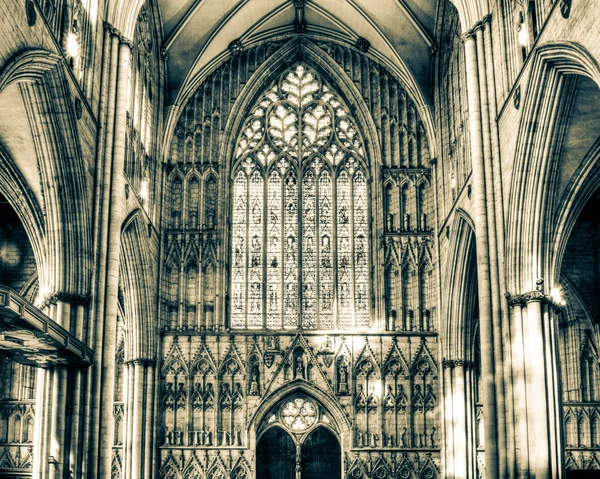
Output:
x=517 y=98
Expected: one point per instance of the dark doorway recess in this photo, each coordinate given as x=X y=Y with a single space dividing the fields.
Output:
x=276 y=455
x=321 y=456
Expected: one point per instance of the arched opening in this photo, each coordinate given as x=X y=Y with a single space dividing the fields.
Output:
x=297 y=436
x=276 y=455
x=321 y=455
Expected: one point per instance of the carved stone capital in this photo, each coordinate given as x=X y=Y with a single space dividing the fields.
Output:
x=447 y=363
x=487 y=19
x=468 y=35
x=235 y=47
x=64 y=297
x=536 y=295
x=115 y=32
x=478 y=26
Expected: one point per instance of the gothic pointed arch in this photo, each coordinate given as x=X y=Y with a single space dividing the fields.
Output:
x=300 y=146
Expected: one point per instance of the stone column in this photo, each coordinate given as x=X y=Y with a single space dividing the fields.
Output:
x=536 y=386
x=489 y=392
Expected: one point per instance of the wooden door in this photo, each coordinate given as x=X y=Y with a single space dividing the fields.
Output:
x=276 y=455
x=321 y=456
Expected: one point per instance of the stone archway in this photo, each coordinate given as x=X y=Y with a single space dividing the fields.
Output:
x=298 y=440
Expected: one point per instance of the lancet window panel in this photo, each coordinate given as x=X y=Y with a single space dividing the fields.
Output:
x=300 y=212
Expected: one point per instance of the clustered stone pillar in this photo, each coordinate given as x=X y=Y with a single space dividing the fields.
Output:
x=536 y=388
x=481 y=205
x=139 y=419
x=58 y=400
x=459 y=439
x=520 y=395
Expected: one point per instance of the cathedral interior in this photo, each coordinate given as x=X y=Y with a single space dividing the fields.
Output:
x=299 y=239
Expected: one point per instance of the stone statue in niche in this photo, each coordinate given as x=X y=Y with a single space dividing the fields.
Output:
x=169 y=397
x=254 y=389
x=299 y=364
x=429 y=400
x=389 y=401
x=406 y=225
x=360 y=402
x=342 y=375
x=403 y=438
x=372 y=400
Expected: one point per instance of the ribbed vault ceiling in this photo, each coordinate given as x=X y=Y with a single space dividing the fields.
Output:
x=198 y=32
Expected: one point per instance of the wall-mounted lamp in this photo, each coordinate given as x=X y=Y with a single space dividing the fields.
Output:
x=72 y=45
x=144 y=190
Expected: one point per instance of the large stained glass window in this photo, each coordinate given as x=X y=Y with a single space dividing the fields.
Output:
x=300 y=212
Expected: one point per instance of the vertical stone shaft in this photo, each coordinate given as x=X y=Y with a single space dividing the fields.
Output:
x=483 y=260
x=113 y=258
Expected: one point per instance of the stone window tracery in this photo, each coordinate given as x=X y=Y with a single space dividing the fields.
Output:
x=300 y=211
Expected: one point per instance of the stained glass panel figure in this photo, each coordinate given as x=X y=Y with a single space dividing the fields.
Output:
x=325 y=263
x=344 y=265
x=255 y=269
x=309 y=263
x=274 y=257
x=238 y=261
x=290 y=257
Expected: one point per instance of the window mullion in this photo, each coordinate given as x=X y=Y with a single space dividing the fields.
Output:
x=247 y=252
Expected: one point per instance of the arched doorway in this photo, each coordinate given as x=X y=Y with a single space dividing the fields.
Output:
x=320 y=455
x=297 y=440
x=276 y=455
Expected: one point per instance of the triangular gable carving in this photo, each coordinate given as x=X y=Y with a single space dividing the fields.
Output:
x=194 y=468
x=203 y=360
x=357 y=469
x=169 y=468
x=409 y=258
x=241 y=469
x=366 y=356
x=422 y=357
x=571 y=463
x=27 y=459
x=175 y=362
x=209 y=251
x=425 y=257
x=254 y=352
x=192 y=250
x=429 y=468
x=300 y=341
x=6 y=460
x=380 y=468
x=173 y=252
x=217 y=469
x=232 y=355
x=395 y=359
x=405 y=470
x=392 y=257
x=344 y=350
